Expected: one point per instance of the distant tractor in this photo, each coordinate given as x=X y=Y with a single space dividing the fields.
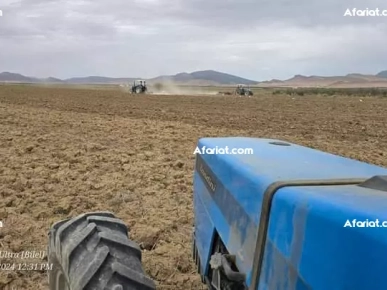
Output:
x=243 y=90
x=139 y=87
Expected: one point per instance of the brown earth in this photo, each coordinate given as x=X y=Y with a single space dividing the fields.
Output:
x=68 y=151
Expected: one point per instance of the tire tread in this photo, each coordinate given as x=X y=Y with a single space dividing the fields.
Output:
x=94 y=252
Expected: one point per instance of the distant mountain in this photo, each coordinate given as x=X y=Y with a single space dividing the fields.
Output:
x=214 y=78
x=98 y=80
x=382 y=74
x=17 y=78
x=50 y=80
x=350 y=80
x=206 y=77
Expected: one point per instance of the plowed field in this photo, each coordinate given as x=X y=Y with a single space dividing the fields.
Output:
x=68 y=151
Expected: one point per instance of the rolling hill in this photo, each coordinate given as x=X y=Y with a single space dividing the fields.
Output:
x=208 y=77
x=348 y=81
x=382 y=74
x=215 y=78
x=98 y=80
x=14 y=77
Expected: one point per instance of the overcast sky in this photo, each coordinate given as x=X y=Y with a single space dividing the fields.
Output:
x=256 y=39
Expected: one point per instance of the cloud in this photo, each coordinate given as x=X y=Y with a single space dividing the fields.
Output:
x=255 y=39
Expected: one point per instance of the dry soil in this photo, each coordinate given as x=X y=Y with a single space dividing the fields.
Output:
x=66 y=151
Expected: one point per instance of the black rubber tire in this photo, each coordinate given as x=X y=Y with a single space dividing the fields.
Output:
x=93 y=252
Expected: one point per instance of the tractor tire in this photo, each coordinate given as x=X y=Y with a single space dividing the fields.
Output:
x=93 y=252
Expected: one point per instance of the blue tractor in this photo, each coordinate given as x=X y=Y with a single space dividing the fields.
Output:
x=286 y=217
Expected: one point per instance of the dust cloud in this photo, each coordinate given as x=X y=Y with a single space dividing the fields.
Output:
x=169 y=88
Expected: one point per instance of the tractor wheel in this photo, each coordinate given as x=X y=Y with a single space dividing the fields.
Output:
x=93 y=252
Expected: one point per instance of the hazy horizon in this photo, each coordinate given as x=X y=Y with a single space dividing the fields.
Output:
x=139 y=77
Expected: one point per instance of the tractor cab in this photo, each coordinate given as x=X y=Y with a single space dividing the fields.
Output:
x=139 y=82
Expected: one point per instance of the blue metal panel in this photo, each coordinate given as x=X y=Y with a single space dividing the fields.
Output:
x=207 y=217
x=234 y=208
x=309 y=248
x=247 y=174
x=204 y=227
